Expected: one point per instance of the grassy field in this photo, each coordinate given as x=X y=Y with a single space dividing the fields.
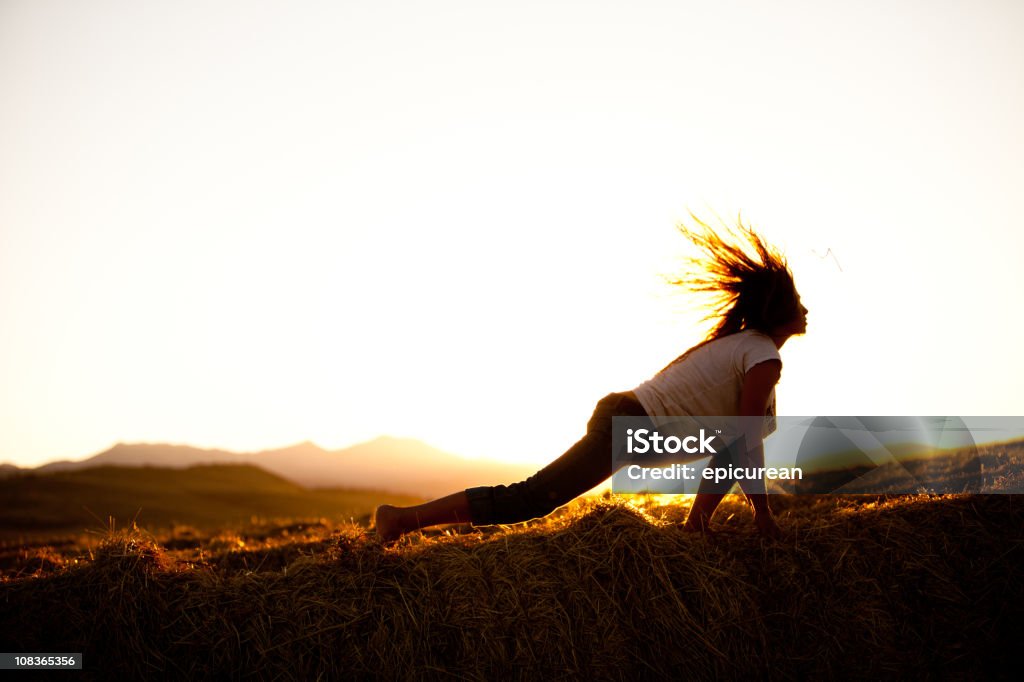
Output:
x=604 y=588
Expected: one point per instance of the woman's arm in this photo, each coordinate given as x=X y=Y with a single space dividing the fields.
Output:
x=757 y=388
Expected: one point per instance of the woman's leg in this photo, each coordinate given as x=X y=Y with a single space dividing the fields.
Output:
x=582 y=467
x=579 y=469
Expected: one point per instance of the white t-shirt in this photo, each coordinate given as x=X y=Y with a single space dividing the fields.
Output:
x=709 y=381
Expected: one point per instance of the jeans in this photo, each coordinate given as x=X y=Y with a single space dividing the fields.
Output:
x=582 y=467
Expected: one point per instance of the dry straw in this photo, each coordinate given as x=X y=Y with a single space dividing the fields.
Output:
x=605 y=589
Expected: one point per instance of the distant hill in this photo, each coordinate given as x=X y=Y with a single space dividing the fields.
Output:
x=202 y=496
x=398 y=465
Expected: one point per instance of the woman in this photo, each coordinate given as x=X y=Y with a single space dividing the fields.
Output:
x=732 y=372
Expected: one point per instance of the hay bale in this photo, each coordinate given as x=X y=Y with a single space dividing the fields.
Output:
x=861 y=585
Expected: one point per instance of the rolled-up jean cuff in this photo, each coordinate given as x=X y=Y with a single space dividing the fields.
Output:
x=481 y=505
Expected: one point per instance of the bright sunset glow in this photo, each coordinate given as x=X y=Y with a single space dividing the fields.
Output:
x=248 y=224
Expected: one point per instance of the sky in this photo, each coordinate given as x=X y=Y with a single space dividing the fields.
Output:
x=248 y=224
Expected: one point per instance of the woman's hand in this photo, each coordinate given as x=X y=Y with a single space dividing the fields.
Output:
x=698 y=524
x=766 y=525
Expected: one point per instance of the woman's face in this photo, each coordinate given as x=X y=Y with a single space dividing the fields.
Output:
x=797 y=325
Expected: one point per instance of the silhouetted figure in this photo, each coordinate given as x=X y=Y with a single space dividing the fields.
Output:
x=732 y=372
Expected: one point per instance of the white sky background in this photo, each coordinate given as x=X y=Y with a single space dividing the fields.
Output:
x=242 y=224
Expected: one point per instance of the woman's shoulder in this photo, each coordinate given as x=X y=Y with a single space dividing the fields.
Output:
x=747 y=337
x=726 y=349
x=753 y=346
x=758 y=336
x=734 y=348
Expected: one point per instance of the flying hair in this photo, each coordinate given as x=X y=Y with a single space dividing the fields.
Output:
x=749 y=280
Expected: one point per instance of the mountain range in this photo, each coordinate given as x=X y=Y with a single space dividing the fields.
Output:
x=397 y=465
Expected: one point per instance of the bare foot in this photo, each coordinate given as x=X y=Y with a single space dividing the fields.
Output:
x=386 y=521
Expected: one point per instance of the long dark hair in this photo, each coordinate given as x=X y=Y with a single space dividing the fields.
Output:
x=749 y=278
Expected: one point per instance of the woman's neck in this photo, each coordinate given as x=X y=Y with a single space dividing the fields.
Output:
x=779 y=339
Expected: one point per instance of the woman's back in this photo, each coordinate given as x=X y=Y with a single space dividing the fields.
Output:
x=709 y=380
